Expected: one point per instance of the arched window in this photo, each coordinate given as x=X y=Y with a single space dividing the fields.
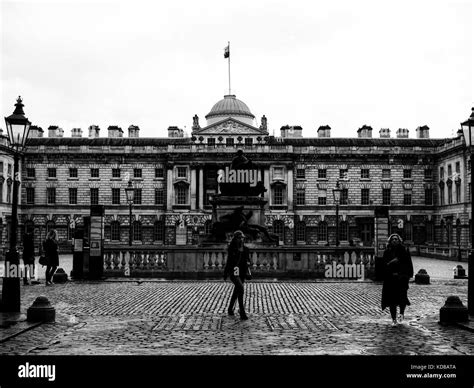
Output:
x=115 y=231
x=159 y=231
x=343 y=231
x=279 y=229
x=29 y=227
x=443 y=232
x=408 y=231
x=137 y=231
x=458 y=232
x=207 y=226
x=300 y=231
x=323 y=231
x=50 y=225
x=429 y=231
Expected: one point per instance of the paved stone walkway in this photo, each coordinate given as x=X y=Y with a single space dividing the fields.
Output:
x=143 y=317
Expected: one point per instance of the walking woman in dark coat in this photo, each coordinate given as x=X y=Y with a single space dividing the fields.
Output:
x=28 y=257
x=236 y=268
x=398 y=269
x=50 y=250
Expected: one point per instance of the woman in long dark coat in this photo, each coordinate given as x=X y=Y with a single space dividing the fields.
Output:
x=236 y=268
x=28 y=257
x=50 y=250
x=398 y=269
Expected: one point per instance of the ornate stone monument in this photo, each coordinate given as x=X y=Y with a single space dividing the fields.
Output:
x=239 y=203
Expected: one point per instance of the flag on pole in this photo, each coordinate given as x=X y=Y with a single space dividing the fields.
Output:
x=226 y=52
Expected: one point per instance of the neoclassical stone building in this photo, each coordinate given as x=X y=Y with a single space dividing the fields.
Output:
x=424 y=182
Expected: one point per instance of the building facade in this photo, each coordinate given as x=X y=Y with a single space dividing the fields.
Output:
x=425 y=183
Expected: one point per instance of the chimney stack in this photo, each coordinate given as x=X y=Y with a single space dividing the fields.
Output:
x=94 y=131
x=36 y=131
x=133 y=131
x=324 y=131
x=402 y=133
x=76 y=132
x=115 y=131
x=55 y=131
x=384 y=132
x=365 y=131
x=423 y=132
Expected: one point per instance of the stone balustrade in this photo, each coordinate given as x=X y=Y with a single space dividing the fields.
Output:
x=203 y=262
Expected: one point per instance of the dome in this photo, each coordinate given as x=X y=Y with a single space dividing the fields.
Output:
x=230 y=107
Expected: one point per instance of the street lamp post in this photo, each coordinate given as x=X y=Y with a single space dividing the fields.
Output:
x=130 y=193
x=468 y=132
x=336 y=192
x=18 y=128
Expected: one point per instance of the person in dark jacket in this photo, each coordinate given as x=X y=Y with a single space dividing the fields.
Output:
x=398 y=269
x=50 y=251
x=28 y=257
x=236 y=268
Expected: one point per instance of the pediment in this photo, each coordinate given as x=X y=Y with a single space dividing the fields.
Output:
x=230 y=126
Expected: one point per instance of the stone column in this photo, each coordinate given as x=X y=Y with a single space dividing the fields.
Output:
x=201 y=189
x=169 y=189
x=193 y=188
x=290 y=188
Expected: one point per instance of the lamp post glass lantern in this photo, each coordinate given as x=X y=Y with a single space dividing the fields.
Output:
x=130 y=193
x=18 y=129
x=336 y=192
x=468 y=132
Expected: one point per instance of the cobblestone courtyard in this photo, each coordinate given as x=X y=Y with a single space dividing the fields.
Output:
x=152 y=317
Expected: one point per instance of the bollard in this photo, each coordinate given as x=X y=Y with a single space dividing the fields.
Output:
x=41 y=310
x=422 y=277
x=459 y=272
x=453 y=311
x=60 y=276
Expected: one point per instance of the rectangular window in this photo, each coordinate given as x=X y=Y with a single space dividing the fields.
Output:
x=322 y=201
x=365 y=196
x=137 y=199
x=159 y=173
x=278 y=195
x=30 y=173
x=343 y=173
x=73 y=196
x=407 y=173
x=182 y=172
x=94 y=196
x=407 y=197
x=344 y=197
x=116 y=173
x=429 y=197
x=159 y=196
x=51 y=195
x=450 y=171
x=116 y=196
x=300 y=173
x=248 y=141
x=386 y=194
x=458 y=193
x=450 y=194
x=73 y=173
x=322 y=173
x=181 y=195
x=51 y=172
x=428 y=173
x=441 y=195
x=30 y=195
x=441 y=173
x=229 y=142
x=211 y=141
x=458 y=167
x=94 y=172
x=386 y=173
x=300 y=196
x=364 y=173
x=137 y=172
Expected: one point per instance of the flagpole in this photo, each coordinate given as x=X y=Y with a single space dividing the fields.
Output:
x=229 y=65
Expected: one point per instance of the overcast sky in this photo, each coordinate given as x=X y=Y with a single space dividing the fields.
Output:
x=387 y=64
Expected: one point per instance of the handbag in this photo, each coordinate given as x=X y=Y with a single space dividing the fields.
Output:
x=42 y=260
